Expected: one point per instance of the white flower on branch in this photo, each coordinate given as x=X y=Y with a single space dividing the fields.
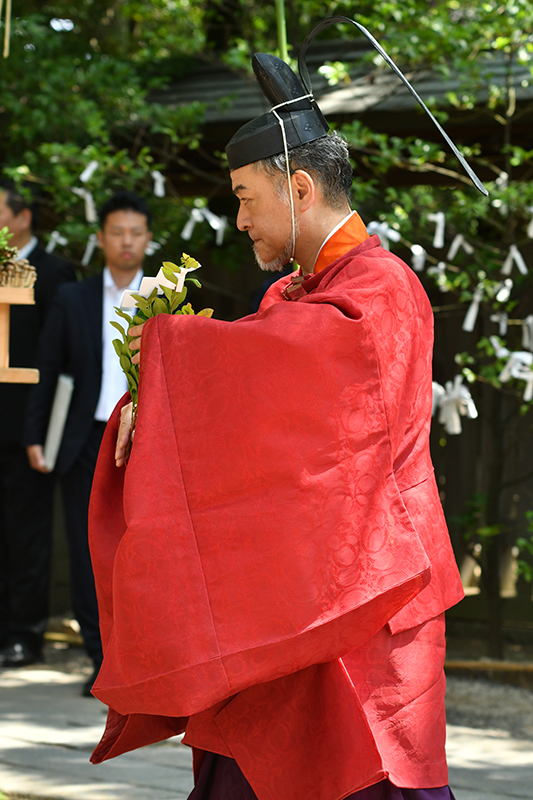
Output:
x=453 y=402
x=159 y=183
x=514 y=256
x=419 y=257
x=502 y=318
x=55 y=238
x=89 y=249
x=384 y=232
x=440 y=222
x=90 y=210
x=219 y=224
x=459 y=241
x=89 y=170
x=469 y=322
x=518 y=366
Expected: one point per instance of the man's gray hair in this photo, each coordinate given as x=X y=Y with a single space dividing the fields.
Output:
x=327 y=160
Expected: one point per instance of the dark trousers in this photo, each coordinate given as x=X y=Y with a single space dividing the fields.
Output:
x=220 y=778
x=26 y=507
x=76 y=489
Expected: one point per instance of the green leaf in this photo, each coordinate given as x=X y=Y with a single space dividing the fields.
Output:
x=189 y=262
x=159 y=306
x=143 y=304
x=195 y=281
x=122 y=314
x=489 y=531
x=168 y=292
x=170 y=276
x=133 y=386
x=119 y=328
x=177 y=300
x=125 y=363
x=205 y=312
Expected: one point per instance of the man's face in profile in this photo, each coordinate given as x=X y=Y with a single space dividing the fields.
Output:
x=265 y=214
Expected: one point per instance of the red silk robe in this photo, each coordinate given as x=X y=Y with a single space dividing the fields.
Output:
x=273 y=565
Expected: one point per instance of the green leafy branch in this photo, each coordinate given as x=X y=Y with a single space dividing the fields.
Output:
x=171 y=301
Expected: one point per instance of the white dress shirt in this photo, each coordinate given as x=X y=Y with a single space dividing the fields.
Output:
x=28 y=248
x=114 y=383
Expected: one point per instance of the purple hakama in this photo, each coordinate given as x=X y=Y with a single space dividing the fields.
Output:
x=220 y=778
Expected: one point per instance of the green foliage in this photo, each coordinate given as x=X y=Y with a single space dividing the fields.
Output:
x=6 y=252
x=59 y=166
x=472 y=522
x=488 y=56
x=485 y=51
x=171 y=302
x=70 y=96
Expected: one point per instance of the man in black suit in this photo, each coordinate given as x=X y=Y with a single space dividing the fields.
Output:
x=26 y=497
x=77 y=340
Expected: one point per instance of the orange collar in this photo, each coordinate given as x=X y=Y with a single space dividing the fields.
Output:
x=348 y=236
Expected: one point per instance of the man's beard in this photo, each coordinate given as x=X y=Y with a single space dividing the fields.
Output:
x=277 y=264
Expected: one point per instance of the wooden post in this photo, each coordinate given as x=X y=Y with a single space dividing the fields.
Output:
x=11 y=296
x=4 y=336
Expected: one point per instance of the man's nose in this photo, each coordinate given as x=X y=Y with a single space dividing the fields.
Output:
x=243 y=220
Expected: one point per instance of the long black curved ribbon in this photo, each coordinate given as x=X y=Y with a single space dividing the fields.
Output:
x=304 y=74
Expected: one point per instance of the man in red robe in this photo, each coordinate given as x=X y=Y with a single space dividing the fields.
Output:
x=272 y=563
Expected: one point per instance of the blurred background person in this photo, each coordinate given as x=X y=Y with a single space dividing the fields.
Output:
x=26 y=496
x=77 y=340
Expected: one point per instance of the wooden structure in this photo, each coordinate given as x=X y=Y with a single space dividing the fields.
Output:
x=10 y=296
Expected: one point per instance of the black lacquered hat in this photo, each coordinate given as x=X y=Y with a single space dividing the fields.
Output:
x=295 y=117
x=293 y=107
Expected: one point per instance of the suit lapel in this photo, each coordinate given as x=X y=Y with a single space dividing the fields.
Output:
x=93 y=301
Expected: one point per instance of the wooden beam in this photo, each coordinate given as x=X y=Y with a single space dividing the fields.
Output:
x=19 y=375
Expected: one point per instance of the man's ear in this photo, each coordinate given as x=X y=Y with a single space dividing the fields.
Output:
x=100 y=235
x=304 y=189
x=24 y=219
